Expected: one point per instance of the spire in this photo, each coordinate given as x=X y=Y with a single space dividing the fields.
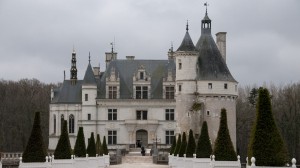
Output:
x=89 y=57
x=206 y=22
x=187 y=25
x=187 y=43
x=73 y=71
x=89 y=77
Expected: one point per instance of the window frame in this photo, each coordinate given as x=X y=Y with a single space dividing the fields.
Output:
x=169 y=114
x=112 y=114
x=170 y=92
x=71 y=124
x=210 y=85
x=225 y=86
x=141 y=115
x=112 y=137
x=112 y=92
x=141 y=92
x=170 y=134
x=86 y=97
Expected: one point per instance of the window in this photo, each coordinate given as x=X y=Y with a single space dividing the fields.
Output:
x=54 y=123
x=112 y=92
x=169 y=137
x=225 y=86
x=71 y=123
x=112 y=114
x=86 y=97
x=179 y=65
x=179 y=88
x=141 y=115
x=170 y=92
x=142 y=75
x=235 y=87
x=112 y=137
x=170 y=114
x=141 y=92
x=89 y=117
x=209 y=85
x=207 y=112
x=62 y=119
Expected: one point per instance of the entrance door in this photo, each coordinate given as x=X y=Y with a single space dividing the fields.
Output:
x=141 y=138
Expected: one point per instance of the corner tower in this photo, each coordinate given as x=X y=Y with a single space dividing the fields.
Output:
x=212 y=88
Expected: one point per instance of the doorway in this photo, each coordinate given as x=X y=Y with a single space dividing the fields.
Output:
x=141 y=138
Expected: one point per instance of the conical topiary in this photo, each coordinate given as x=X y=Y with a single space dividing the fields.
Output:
x=80 y=149
x=266 y=143
x=183 y=145
x=191 y=145
x=178 y=144
x=204 y=149
x=63 y=147
x=99 y=150
x=104 y=146
x=172 y=150
x=224 y=149
x=35 y=149
x=91 y=150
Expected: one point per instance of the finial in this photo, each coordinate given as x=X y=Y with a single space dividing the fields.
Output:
x=73 y=49
x=187 y=25
x=206 y=4
x=112 y=47
x=89 y=57
x=172 y=45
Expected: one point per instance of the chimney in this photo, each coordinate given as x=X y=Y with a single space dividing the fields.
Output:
x=221 y=43
x=96 y=71
x=130 y=57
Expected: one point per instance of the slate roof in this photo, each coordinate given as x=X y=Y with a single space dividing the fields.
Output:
x=125 y=69
x=211 y=65
x=89 y=77
x=68 y=93
x=187 y=43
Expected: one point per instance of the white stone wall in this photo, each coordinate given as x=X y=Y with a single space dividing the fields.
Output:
x=188 y=62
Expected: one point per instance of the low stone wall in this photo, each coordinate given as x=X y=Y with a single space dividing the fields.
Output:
x=51 y=162
x=184 y=162
x=254 y=166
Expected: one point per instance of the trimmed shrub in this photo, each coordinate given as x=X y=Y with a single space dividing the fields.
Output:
x=178 y=144
x=35 y=149
x=80 y=149
x=63 y=147
x=183 y=145
x=172 y=150
x=99 y=150
x=191 y=145
x=224 y=149
x=104 y=146
x=91 y=150
x=266 y=143
x=204 y=149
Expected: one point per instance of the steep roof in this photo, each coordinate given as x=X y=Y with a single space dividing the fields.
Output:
x=211 y=65
x=125 y=69
x=187 y=43
x=68 y=93
x=89 y=77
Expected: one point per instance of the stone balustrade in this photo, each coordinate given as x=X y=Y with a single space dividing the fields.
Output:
x=253 y=160
x=74 y=162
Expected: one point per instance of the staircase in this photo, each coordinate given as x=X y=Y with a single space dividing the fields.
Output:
x=135 y=156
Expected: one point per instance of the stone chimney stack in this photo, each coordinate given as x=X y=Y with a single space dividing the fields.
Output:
x=221 y=43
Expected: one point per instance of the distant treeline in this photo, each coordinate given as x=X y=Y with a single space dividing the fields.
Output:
x=20 y=100
x=18 y=103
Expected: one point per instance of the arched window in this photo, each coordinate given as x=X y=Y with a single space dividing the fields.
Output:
x=62 y=118
x=71 y=123
x=54 y=123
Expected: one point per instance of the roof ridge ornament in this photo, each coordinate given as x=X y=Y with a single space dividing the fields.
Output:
x=206 y=4
x=187 y=25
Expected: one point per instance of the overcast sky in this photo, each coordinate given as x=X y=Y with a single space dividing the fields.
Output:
x=37 y=36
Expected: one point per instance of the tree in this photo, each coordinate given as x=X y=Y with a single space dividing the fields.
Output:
x=204 y=149
x=99 y=150
x=191 y=145
x=35 y=148
x=224 y=149
x=80 y=149
x=266 y=143
x=172 y=150
x=178 y=144
x=183 y=145
x=104 y=146
x=63 y=147
x=91 y=149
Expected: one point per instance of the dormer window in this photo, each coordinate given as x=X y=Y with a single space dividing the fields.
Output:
x=141 y=92
x=112 y=92
x=142 y=75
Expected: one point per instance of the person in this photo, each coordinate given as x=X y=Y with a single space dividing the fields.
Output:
x=143 y=151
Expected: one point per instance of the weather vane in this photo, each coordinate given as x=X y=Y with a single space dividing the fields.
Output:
x=206 y=4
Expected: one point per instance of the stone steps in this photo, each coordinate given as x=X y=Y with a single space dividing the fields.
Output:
x=137 y=159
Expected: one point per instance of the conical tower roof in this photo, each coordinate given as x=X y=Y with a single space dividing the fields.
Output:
x=187 y=43
x=211 y=65
x=89 y=77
